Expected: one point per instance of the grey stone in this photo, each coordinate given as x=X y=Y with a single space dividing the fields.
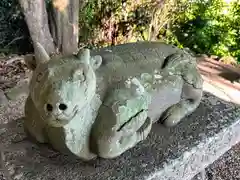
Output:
x=3 y=98
x=176 y=153
x=102 y=103
x=200 y=176
x=227 y=166
x=18 y=91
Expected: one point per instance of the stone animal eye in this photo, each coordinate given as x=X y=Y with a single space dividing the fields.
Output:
x=62 y=107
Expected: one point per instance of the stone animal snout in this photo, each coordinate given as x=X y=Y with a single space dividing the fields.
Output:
x=59 y=113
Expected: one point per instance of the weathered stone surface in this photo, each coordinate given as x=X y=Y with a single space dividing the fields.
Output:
x=3 y=98
x=227 y=167
x=177 y=153
x=69 y=94
x=18 y=91
x=200 y=176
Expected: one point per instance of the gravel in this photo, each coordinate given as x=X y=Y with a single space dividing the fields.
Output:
x=227 y=167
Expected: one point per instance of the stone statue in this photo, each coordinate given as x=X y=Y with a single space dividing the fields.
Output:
x=103 y=102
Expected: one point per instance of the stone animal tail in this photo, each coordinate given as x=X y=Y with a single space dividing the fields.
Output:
x=173 y=60
x=183 y=65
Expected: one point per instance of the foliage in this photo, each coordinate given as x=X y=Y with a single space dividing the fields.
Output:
x=14 y=35
x=210 y=27
x=109 y=22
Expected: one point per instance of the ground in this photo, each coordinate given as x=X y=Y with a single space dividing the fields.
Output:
x=227 y=167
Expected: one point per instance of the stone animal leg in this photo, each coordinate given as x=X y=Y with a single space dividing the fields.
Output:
x=189 y=102
x=33 y=125
x=129 y=134
x=140 y=135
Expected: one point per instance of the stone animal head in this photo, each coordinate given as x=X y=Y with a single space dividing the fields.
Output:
x=61 y=86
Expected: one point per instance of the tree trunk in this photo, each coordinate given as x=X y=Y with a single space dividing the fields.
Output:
x=57 y=29
x=37 y=21
x=64 y=24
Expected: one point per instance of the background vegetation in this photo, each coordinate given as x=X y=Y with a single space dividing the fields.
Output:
x=14 y=35
x=205 y=27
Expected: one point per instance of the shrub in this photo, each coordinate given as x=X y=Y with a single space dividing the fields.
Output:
x=110 y=22
x=14 y=35
x=210 y=27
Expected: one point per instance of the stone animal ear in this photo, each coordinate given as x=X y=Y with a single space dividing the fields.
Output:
x=41 y=56
x=84 y=55
x=96 y=61
x=30 y=61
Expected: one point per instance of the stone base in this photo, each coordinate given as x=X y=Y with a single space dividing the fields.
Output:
x=177 y=153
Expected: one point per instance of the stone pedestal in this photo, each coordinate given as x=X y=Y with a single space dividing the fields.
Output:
x=177 y=153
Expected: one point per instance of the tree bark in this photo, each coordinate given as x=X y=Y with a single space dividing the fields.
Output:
x=37 y=21
x=64 y=24
x=56 y=29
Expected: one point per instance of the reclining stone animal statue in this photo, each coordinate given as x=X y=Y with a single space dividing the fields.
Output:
x=100 y=103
